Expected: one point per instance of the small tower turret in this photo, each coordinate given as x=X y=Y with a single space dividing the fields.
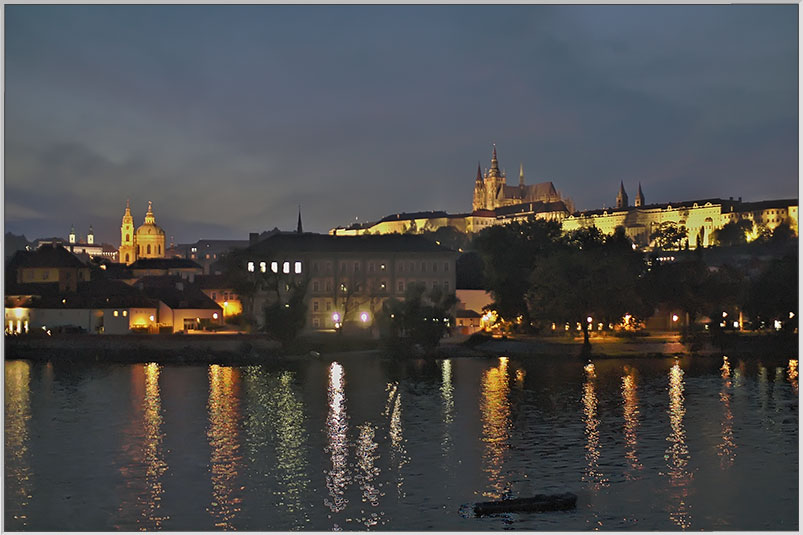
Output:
x=127 y=253
x=521 y=175
x=299 y=227
x=621 y=197
x=72 y=234
x=639 y=196
x=90 y=238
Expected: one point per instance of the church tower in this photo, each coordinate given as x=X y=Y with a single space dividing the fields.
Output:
x=639 y=196
x=90 y=238
x=127 y=254
x=479 y=191
x=621 y=197
x=72 y=234
x=494 y=182
x=150 y=238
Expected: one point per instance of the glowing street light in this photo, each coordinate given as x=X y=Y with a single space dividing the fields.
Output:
x=364 y=317
x=336 y=317
x=675 y=318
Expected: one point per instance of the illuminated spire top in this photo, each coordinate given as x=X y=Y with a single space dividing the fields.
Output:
x=479 y=172
x=521 y=174
x=149 y=219
x=494 y=171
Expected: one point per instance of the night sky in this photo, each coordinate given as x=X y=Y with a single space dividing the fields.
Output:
x=227 y=118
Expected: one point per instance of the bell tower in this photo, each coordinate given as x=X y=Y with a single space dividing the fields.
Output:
x=127 y=254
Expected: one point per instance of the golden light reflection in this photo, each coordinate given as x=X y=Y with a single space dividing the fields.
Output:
x=726 y=448
x=591 y=473
x=631 y=417
x=224 y=438
x=337 y=448
x=447 y=395
x=275 y=424
x=677 y=454
x=495 y=413
x=792 y=374
x=17 y=462
x=368 y=472
x=153 y=451
x=398 y=453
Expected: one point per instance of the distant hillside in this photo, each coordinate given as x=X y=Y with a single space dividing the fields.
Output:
x=15 y=243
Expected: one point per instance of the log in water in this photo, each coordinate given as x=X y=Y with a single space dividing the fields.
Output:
x=537 y=503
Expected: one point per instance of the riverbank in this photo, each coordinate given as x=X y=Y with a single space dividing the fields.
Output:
x=245 y=349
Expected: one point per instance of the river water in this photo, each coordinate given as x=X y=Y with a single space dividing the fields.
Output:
x=370 y=443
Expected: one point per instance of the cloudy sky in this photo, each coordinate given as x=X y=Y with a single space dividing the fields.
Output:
x=227 y=118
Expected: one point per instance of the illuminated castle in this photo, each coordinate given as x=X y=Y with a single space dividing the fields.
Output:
x=147 y=241
x=491 y=190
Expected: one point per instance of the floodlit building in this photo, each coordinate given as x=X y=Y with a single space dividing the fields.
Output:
x=147 y=241
x=348 y=277
x=49 y=264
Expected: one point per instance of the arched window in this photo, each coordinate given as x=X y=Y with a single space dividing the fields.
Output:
x=149 y=249
x=159 y=249
x=127 y=238
x=126 y=258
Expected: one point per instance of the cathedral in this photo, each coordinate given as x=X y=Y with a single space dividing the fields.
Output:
x=491 y=190
x=147 y=241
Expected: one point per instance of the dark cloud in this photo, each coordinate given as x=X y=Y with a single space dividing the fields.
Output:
x=229 y=117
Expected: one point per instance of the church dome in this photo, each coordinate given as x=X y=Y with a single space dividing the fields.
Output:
x=149 y=227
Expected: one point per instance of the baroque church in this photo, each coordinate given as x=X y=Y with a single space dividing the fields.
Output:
x=147 y=241
x=491 y=190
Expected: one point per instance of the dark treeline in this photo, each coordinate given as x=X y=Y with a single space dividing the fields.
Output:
x=538 y=276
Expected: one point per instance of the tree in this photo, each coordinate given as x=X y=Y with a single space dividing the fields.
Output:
x=782 y=233
x=669 y=235
x=591 y=276
x=286 y=315
x=468 y=271
x=422 y=318
x=733 y=233
x=774 y=292
x=509 y=253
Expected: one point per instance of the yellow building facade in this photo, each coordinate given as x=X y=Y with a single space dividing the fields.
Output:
x=147 y=241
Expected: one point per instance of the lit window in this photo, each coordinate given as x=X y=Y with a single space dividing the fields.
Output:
x=382 y=267
x=383 y=285
x=116 y=313
x=298 y=267
x=286 y=267
x=274 y=266
x=194 y=249
x=251 y=267
x=263 y=267
x=125 y=313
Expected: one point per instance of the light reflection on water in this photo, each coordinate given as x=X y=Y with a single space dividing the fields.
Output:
x=727 y=447
x=284 y=447
x=792 y=373
x=631 y=417
x=17 y=468
x=224 y=439
x=592 y=475
x=495 y=412
x=337 y=478
x=677 y=454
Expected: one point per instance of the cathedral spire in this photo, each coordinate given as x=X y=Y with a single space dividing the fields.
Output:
x=494 y=161
x=521 y=175
x=299 y=228
x=639 y=196
x=479 y=172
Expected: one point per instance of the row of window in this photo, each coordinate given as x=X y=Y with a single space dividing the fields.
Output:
x=157 y=249
x=381 y=287
x=117 y=313
x=274 y=267
x=403 y=267
x=226 y=296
